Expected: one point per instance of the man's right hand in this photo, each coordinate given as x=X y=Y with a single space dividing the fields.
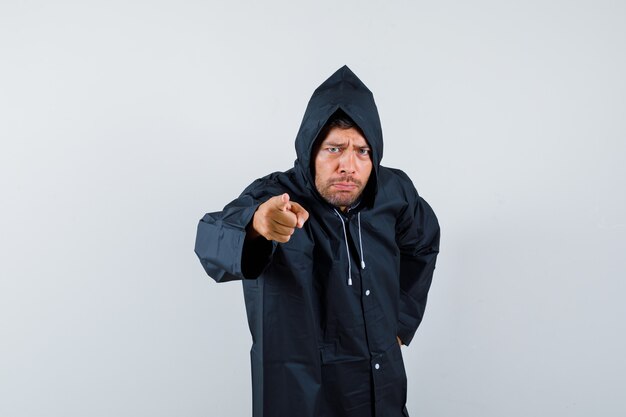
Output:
x=277 y=219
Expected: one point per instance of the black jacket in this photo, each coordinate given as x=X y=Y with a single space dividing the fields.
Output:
x=322 y=347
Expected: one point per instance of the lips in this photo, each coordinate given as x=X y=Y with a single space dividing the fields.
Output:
x=345 y=186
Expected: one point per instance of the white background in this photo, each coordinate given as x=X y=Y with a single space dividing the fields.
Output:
x=123 y=122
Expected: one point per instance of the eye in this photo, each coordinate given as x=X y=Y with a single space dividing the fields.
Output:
x=333 y=149
x=364 y=151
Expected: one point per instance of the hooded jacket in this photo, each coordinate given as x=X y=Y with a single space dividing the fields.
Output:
x=324 y=309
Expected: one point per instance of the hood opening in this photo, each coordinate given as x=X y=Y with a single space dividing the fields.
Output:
x=342 y=120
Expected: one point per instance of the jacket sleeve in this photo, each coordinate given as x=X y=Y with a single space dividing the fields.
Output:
x=221 y=242
x=417 y=234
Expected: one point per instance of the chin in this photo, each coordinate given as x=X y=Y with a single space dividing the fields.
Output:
x=342 y=200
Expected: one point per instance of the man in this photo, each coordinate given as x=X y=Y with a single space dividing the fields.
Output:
x=336 y=256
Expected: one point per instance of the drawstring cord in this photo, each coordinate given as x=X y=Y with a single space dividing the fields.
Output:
x=345 y=237
x=360 y=241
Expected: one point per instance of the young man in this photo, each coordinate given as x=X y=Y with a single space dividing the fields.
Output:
x=336 y=256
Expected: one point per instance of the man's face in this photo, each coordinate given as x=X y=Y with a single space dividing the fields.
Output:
x=343 y=164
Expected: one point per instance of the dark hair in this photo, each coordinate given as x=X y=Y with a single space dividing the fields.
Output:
x=338 y=119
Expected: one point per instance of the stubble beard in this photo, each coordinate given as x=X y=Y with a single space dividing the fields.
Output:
x=339 y=198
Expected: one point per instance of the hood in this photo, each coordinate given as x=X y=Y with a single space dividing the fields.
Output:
x=342 y=90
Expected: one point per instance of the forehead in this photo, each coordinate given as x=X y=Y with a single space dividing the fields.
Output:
x=338 y=135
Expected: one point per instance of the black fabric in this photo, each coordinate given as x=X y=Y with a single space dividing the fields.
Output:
x=321 y=347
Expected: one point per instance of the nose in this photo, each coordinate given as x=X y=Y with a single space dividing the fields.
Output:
x=347 y=163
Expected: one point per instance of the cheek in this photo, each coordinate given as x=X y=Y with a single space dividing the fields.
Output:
x=366 y=167
x=323 y=168
x=317 y=168
x=319 y=172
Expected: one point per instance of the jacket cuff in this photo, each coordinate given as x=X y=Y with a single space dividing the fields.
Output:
x=256 y=254
x=405 y=332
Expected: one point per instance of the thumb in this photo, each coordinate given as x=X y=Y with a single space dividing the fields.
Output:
x=300 y=213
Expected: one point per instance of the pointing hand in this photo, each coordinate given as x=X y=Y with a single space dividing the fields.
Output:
x=277 y=219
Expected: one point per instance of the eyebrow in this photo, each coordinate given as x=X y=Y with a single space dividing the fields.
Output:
x=340 y=144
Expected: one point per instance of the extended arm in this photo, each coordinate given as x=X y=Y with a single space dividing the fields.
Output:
x=239 y=241
x=221 y=243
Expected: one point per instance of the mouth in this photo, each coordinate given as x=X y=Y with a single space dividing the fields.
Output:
x=345 y=186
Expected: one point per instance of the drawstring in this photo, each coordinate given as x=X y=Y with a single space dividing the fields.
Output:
x=360 y=241
x=345 y=236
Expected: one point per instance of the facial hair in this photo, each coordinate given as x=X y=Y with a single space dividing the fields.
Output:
x=340 y=198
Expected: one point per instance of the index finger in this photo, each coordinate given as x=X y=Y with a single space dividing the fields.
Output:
x=282 y=202
x=300 y=213
x=285 y=218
